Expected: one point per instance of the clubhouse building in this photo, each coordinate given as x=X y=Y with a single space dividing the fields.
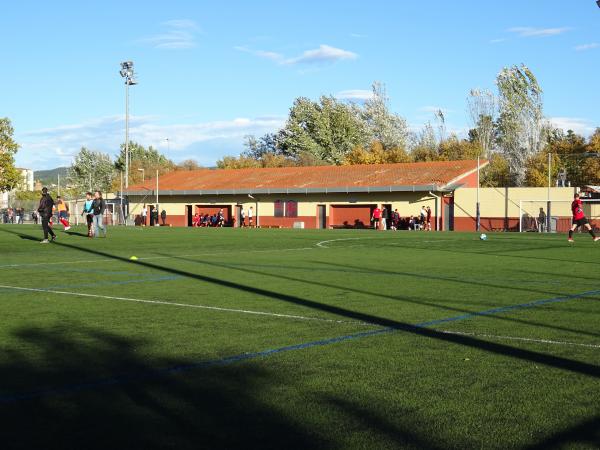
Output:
x=309 y=197
x=345 y=197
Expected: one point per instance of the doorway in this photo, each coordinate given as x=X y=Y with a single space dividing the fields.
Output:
x=321 y=217
x=238 y=216
x=449 y=213
x=188 y=215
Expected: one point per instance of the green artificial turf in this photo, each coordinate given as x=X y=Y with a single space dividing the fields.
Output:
x=124 y=367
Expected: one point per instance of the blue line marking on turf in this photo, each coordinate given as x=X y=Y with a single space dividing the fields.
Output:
x=247 y=356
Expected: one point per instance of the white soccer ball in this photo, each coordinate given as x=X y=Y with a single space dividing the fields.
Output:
x=483 y=237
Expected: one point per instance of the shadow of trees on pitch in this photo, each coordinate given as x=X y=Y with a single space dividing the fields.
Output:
x=87 y=388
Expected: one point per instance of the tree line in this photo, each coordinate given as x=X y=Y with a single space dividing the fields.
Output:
x=508 y=129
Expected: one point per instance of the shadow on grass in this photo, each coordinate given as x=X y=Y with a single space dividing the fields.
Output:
x=416 y=301
x=219 y=407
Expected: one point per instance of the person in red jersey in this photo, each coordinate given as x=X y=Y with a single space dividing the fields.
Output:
x=376 y=217
x=579 y=219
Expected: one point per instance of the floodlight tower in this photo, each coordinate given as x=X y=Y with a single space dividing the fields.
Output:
x=129 y=75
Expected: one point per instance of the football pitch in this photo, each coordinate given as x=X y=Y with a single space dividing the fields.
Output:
x=253 y=338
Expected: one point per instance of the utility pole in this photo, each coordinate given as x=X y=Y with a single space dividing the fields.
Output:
x=129 y=75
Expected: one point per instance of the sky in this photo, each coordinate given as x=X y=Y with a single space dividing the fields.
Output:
x=212 y=72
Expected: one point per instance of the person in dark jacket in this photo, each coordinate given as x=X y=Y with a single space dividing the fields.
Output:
x=45 y=210
x=98 y=208
x=163 y=216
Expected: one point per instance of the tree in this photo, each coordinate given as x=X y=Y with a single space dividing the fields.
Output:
x=520 y=125
x=140 y=157
x=496 y=173
x=327 y=130
x=376 y=154
x=455 y=149
x=257 y=148
x=426 y=145
x=591 y=166
x=91 y=170
x=9 y=175
x=383 y=126
x=482 y=107
x=189 y=164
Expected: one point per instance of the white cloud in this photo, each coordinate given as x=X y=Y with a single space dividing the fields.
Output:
x=324 y=54
x=178 y=34
x=583 y=47
x=538 y=32
x=321 y=55
x=355 y=94
x=208 y=141
x=578 y=125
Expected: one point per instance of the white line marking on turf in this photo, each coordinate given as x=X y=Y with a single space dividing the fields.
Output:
x=515 y=338
x=148 y=258
x=182 y=305
x=322 y=244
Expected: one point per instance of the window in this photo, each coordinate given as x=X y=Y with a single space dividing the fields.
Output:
x=285 y=208
x=279 y=208
x=291 y=208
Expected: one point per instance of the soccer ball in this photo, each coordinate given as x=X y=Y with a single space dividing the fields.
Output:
x=483 y=237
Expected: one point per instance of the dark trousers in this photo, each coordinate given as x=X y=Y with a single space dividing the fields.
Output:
x=46 y=227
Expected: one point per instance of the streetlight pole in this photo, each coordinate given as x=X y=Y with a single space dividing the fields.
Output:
x=129 y=75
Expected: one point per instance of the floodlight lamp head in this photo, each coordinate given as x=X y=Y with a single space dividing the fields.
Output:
x=598 y=3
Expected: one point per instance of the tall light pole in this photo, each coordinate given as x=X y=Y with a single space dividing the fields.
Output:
x=129 y=75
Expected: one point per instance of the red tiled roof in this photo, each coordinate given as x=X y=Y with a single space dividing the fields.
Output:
x=440 y=174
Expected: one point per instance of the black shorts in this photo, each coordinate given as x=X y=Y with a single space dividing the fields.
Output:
x=581 y=222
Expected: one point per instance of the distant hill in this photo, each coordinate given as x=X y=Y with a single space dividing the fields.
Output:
x=49 y=177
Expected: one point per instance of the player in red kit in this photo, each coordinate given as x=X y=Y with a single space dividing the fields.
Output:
x=579 y=219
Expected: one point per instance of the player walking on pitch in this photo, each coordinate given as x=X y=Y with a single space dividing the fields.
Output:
x=579 y=219
x=45 y=210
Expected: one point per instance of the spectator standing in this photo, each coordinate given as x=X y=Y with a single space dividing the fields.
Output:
x=541 y=221
x=250 y=216
x=395 y=220
x=428 y=218
x=98 y=208
x=45 y=210
x=163 y=217
x=376 y=217
x=384 y=218
x=242 y=218
x=144 y=215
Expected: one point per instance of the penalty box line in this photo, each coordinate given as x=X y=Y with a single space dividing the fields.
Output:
x=185 y=305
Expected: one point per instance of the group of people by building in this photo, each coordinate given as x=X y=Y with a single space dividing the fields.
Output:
x=142 y=219
x=209 y=220
x=13 y=215
x=385 y=219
